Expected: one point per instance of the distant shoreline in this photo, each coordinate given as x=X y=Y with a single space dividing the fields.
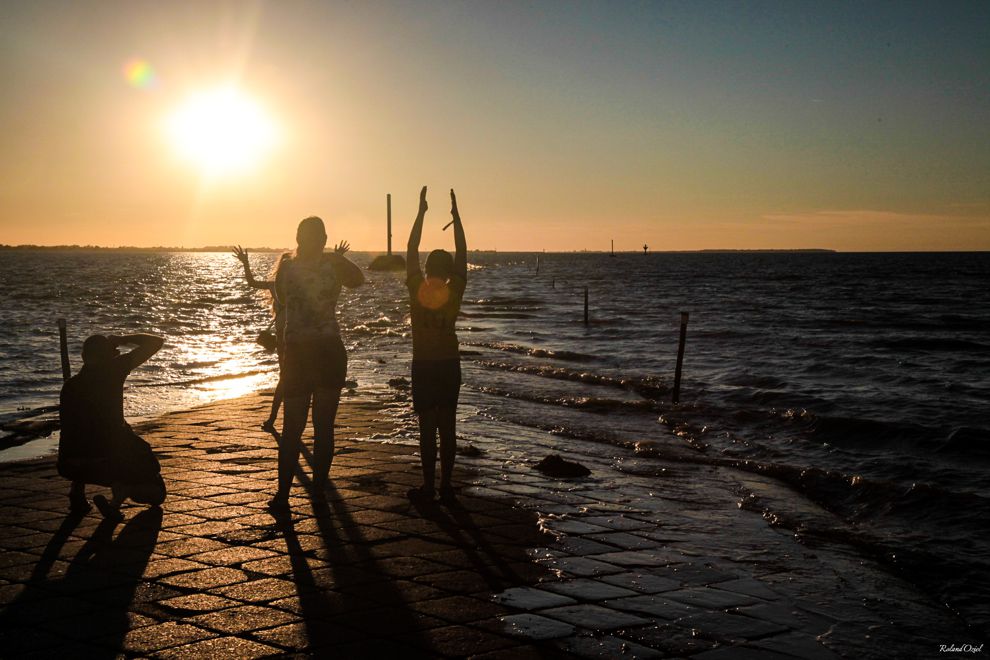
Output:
x=228 y=248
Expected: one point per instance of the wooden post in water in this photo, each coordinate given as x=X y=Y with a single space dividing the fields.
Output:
x=63 y=345
x=680 y=357
x=537 y=264
x=586 y=305
x=388 y=211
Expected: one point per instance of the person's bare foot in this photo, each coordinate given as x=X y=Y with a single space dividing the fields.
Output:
x=268 y=426
x=448 y=497
x=421 y=495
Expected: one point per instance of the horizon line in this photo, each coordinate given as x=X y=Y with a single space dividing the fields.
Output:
x=265 y=249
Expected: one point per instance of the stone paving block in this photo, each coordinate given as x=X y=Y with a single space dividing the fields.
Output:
x=582 y=545
x=19 y=538
x=642 y=582
x=242 y=619
x=645 y=558
x=149 y=639
x=623 y=540
x=619 y=522
x=572 y=526
x=178 y=519
x=673 y=640
x=278 y=565
x=308 y=636
x=406 y=566
x=17 y=558
x=56 y=570
x=159 y=567
x=414 y=547
x=242 y=498
x=231 y=556
x=454 y=581
x=581 y=566
x=225 y=512
x=710 y=598
x=798 y=645
x=410 y=591
x=594 y=617
x=784 y=614
x=391 y=621
x=207 y=528
x=605 y=647
x=375 y=648
x=460 y=641
x=699 y=574
x=740 y=652
x=188 y=546
x=450 y=559
x=259 y=591
x=655 y=606
x=522 y=652
x=192 y=603
x=727 y=626
x=458 y=609
x=536 y=627
x=220 y=647
x=588 y=590
x=205 y=579
x=10 y=591
x=532 y=598
x=750 y=587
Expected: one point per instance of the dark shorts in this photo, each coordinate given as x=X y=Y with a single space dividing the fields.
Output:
x=311 y=365
x=435 y=383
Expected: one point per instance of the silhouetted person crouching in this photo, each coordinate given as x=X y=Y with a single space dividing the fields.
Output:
x=97 y=446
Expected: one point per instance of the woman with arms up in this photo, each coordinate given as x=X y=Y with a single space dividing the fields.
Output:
x=315 y=363
x=434 y=302
x=278 y=322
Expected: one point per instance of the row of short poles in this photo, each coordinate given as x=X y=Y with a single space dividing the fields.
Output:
x=680 y=344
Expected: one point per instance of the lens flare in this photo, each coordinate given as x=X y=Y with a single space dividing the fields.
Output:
x=139 y=74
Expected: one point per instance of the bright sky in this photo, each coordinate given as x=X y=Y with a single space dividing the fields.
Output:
x=562 y=125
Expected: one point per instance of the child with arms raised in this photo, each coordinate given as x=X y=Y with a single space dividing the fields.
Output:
x=434 y=302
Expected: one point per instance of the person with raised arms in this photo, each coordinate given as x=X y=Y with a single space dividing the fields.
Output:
x=434 y=302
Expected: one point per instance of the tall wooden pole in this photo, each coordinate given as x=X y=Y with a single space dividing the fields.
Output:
x=388 y=207
x=63 y=345
x=680 y=357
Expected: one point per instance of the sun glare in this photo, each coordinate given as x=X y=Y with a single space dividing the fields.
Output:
x=222 y=131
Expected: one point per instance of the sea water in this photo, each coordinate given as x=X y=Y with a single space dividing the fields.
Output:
x=859 y=381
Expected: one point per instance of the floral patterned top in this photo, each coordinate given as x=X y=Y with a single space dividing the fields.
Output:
x=309 y=291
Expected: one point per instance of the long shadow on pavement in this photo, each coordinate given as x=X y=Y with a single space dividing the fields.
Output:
x=86 y=612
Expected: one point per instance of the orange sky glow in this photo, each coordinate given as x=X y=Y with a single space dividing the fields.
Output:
x=561 y=126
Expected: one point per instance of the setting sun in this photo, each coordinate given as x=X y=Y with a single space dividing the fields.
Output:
x=222 y=131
